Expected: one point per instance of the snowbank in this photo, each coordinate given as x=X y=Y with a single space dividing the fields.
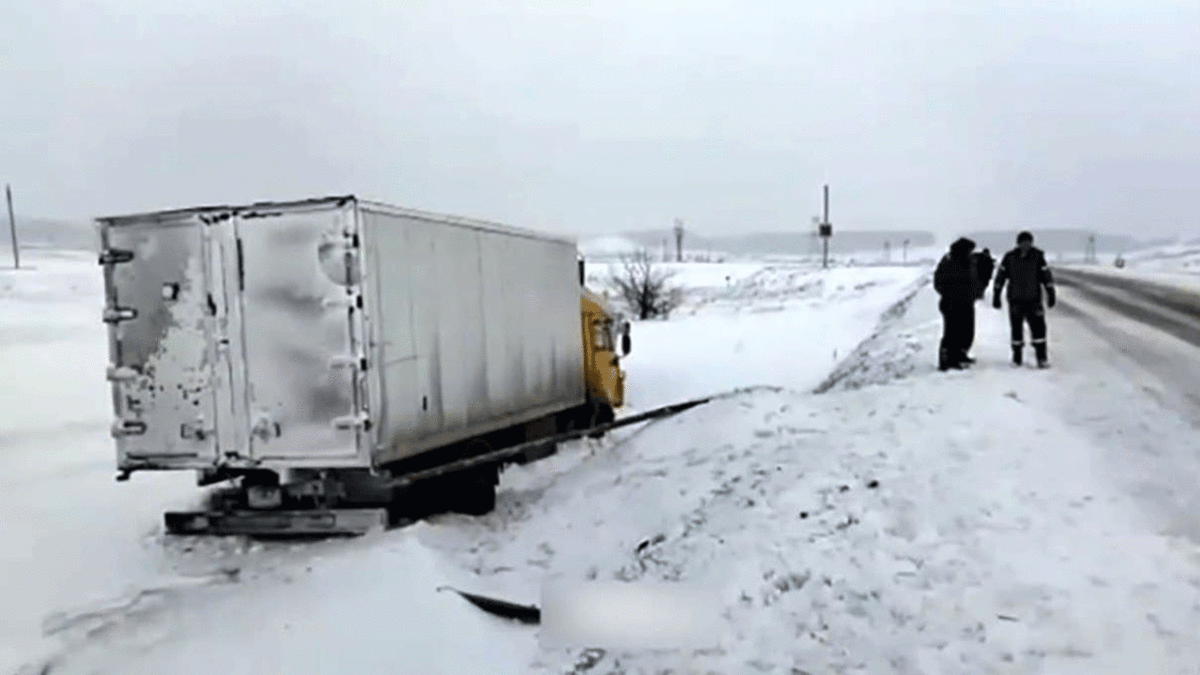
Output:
x=781 y=326
x=939 y=523
x=905 y=521
x=1183 y=257
x=166 y=603
x=1174 y=280
x=373 y=606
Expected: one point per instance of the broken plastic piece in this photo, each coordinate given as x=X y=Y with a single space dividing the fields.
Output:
x=529 y=614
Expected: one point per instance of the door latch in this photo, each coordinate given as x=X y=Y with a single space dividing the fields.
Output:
x=123 y=428
x=194 y=431
x=116 y=315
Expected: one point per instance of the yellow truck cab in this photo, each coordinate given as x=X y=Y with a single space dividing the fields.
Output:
x=604 y=331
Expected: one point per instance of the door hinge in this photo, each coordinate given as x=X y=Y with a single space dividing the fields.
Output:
x=241 y=263
x=115 y=256
x=359 y=421
x=348 y=361
x=345 y=301
x=120 y=373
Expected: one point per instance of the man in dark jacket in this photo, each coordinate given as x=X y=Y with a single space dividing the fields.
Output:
x=1025 y=270
x=957 y=282
x=985 y=264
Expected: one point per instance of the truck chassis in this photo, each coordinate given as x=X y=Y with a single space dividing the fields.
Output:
x=318 y=506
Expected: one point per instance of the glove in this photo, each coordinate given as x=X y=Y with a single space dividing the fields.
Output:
x=996 y=301
x=1050 y=296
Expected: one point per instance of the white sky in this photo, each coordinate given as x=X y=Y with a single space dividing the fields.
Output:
x=593 y=117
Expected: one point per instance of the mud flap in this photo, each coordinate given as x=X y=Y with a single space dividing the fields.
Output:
x=346 y=522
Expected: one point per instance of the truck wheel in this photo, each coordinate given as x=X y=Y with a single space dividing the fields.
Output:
x=600 y=413
x=476 y=493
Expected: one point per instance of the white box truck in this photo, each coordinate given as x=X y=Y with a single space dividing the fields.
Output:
x=305 y=349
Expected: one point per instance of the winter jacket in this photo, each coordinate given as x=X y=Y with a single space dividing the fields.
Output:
x=1025 y=275
x=956 y=278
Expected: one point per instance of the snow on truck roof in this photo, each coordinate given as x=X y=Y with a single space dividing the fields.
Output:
x=265 y=209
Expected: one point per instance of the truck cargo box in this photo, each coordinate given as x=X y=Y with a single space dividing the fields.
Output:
x=330 y=333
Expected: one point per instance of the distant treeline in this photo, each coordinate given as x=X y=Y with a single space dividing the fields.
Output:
x=70 y=234
x=863 y=241
x=786 y=243
x=48 y=233
x=1064 y=240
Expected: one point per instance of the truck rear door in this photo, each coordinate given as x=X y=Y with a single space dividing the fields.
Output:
x=160 y=310
x=302 y=327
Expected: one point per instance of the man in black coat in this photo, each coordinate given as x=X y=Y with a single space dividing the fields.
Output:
x=1025 y=270
x=985 y=264
x=957 y=282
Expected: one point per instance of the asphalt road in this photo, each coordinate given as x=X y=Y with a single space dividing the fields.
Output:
x=1130 y=376
x=1155 y=327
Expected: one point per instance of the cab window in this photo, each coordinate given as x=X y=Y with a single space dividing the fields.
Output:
x=602 y=335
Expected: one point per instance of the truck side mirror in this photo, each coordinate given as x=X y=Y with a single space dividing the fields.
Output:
x=582 y=273
x=626 y=344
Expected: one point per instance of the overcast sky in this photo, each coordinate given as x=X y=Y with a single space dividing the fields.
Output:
x=591 y=117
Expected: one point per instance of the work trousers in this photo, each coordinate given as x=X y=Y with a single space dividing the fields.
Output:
x=1031 y=312
x=958 y=331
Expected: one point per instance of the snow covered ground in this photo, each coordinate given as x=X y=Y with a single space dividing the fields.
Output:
x=903 y=521
x=1181 y=257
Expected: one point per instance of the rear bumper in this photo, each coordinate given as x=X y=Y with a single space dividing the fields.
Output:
x=326 y=522
x=133 y=463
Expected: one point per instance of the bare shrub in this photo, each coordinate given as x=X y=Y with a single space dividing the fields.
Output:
x=646 y=287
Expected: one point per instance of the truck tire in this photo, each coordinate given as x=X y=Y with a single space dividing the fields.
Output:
x=476 y=492
x=599 y=413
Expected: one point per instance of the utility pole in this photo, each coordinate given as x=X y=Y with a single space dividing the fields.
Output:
x=678 y=240
x=12 y=227
x=826 y=231
x=905 y=253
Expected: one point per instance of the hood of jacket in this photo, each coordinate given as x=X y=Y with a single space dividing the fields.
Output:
x=962 y=248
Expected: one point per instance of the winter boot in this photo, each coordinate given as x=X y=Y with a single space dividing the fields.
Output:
x=1040 y=350
x=949 y=361
x=1017 y=355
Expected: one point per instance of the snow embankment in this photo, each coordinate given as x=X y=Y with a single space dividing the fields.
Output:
x=1171 y=280
x=780 y=325
x=1176 y=258
x=373 y=607
x=936 y=523
x=932 y=523
x=541 y=528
